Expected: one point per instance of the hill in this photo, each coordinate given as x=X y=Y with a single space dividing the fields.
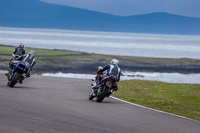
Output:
x=38 y=14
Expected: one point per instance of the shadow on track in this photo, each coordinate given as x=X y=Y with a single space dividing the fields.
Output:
x=16 y=87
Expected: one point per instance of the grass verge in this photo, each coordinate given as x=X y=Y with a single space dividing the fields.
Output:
x=180 y=99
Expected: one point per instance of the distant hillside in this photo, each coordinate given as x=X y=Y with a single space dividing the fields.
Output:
x=38 y=14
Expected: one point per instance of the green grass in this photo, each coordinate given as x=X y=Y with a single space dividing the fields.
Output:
x=180 y=99
x=43 y=56
x=5 y=50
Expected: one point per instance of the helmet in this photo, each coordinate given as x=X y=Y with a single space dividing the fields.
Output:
x=114 y=61
x=100 y=68
x=31 y=51
x=21 y=45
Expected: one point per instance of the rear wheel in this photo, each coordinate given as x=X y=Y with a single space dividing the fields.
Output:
x=14 y=79
x=102 y=95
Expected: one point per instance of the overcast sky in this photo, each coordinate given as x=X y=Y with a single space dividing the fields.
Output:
x=134 y=7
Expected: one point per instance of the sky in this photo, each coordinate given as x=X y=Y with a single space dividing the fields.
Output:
x=189 y=8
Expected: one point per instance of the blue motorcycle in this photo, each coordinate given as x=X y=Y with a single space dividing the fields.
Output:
x=20 y=69
x=17 y=74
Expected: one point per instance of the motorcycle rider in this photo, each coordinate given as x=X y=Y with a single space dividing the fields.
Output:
x=29 y=60
x=19 y=51
x=113 y=70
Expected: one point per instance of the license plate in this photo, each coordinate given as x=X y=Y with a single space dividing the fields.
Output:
x=109 y=84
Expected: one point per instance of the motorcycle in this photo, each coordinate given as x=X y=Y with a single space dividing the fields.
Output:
x=102 y=90
x=18 y=72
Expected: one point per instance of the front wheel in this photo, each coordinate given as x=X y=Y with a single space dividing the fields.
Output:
x=91 y=95
x=102 y=95
x=14 y=79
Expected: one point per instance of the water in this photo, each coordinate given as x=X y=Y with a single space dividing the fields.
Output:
x=128 y=44
x=164 y=77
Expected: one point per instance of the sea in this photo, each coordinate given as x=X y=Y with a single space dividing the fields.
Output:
x=177 y=78
x=111 y=43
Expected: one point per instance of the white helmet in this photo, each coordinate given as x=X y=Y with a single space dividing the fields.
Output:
x=114 y=61
x=100 y=68
x=31 y=52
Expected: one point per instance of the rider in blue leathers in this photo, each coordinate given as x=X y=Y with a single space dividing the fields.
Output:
x=112 y=70
x=29 y=61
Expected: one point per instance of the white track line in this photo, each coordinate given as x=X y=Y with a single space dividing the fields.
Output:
x=153 y=109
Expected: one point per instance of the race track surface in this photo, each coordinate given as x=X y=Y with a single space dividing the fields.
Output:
x=61 y=105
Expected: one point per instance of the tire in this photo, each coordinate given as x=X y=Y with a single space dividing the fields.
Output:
x=102 y=95
x=14 y=79
x=91 y=97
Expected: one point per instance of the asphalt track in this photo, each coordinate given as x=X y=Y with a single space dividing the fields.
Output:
x=61 y=105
